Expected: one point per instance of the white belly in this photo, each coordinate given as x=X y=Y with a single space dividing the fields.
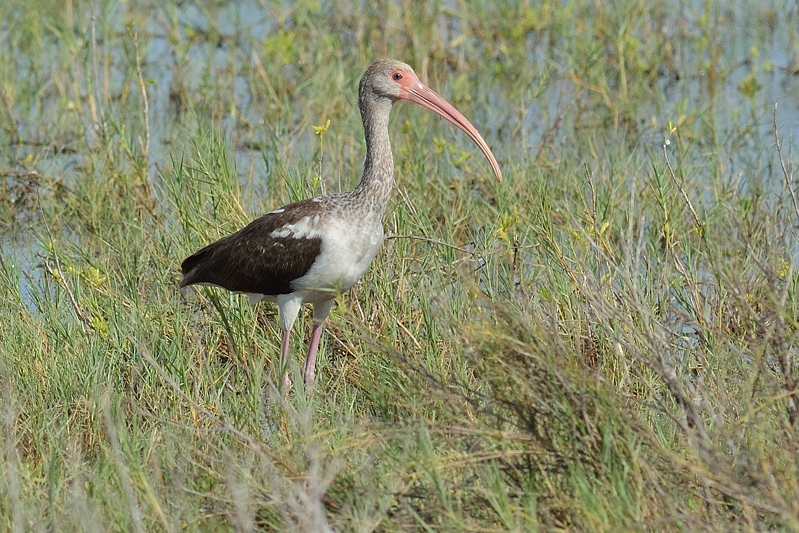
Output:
x=344 y=257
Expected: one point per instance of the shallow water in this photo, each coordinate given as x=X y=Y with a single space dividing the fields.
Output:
x=219 y=39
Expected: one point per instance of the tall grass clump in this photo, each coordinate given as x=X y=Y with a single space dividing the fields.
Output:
x=604 y=342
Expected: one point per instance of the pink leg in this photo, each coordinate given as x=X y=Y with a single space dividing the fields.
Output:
x=284 y=360
x=320 y=312
x=309 y=373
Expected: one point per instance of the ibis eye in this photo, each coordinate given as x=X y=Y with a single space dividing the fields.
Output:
x=397 y=76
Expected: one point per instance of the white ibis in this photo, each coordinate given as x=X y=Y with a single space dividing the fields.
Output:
x=312 y=250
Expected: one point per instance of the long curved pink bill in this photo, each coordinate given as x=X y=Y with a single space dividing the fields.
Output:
x=419 y=93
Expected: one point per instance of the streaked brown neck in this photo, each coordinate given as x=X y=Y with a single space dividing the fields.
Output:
x=378 y=170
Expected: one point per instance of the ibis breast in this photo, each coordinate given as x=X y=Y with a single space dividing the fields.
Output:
x=345 y=254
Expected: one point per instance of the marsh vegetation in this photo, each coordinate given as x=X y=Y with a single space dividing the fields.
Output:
x=605 y=342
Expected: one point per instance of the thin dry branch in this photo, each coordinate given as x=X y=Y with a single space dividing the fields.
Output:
x=786 y=172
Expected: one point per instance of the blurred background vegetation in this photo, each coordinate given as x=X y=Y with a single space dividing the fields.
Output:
x=605 y=342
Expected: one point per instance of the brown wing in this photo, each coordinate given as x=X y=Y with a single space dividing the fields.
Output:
x=252 y=260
